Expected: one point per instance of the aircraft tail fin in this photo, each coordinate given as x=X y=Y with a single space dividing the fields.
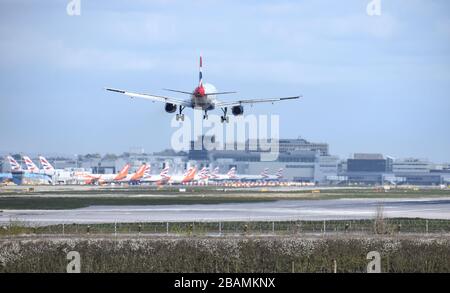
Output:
x=190 y=175
x=45 y=164
x=165 y=172
x=265 y=173
x=232 y=172
x=200 y=74
x=14 y=165
x=123 y=173
x=279 y=173
x=204 y=173
x=30 y=165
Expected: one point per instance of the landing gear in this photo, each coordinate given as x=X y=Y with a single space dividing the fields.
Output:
x=180 y=116
x=224 y=117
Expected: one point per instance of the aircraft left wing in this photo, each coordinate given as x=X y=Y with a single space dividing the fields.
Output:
x=185 y=103
x=253 y=101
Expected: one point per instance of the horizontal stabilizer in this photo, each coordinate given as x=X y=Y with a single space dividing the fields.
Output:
x=190 y=93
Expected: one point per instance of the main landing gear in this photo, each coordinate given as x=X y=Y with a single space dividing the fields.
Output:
x=224 y=117
x=180 y=116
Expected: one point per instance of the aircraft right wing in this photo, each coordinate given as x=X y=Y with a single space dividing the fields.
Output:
x=185 y=103
x=253 y=101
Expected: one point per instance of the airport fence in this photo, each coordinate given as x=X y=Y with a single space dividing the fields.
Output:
x=377 y=226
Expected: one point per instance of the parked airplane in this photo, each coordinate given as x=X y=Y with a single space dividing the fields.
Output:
x=136 y=177
x=277 y=177
x=157 y=179
x=188 y=176
x=113 y=178
x=66 y=175
x=203 y=98
x=264 y=176
x=48 y=168
x=203 y=175
x=215 y=176
x=14 y=165
x=31 y=167
x=32 y=174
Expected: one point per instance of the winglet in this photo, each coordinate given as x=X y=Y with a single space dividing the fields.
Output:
x=115 y=90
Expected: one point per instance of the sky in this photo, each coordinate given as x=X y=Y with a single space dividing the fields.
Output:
x=369 y=83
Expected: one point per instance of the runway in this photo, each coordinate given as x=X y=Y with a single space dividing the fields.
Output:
x=438 y=208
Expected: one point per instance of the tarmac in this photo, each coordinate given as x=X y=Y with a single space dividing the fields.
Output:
x=336 y=209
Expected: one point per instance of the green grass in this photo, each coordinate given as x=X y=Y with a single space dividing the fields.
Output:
x=80 y=202
x=198 y=195
x=391 y=227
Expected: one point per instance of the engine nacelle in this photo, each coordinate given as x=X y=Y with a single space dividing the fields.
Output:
x=170 y=108
x=237 y=110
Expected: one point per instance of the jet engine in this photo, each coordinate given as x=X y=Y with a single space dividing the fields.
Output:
x=237 y=110
x=170 y=108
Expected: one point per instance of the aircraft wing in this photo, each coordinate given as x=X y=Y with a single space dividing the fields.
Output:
x=253 y=101
x=185 y=103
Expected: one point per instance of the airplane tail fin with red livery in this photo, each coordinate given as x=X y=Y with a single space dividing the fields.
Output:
x=31 y=167
x=279 y=174
x=46 y=165
x=14 y=165
x=265 y=173
x=232 y=173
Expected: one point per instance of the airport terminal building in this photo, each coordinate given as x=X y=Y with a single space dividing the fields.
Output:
x=376 y=169
x=300 y=159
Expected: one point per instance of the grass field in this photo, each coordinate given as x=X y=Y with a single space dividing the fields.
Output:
x=70 y=199
x=377 y=226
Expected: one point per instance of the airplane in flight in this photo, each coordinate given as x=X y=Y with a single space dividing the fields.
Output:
x=204 y=97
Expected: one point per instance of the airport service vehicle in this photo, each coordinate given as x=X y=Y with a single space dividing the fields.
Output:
x=203 y=97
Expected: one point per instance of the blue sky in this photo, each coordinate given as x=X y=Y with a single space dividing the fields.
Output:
x=370 y=84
